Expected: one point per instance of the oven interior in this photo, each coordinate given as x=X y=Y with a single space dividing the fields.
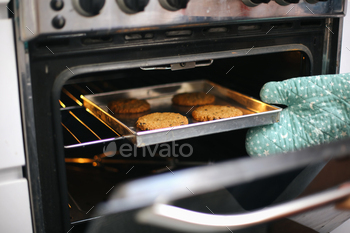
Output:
x=91 y=176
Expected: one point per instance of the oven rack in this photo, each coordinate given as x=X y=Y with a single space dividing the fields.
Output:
x=86 y=130
x=255 y=112
x=81 y=129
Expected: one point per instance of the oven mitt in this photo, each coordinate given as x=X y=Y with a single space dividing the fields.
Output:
x=318 y=112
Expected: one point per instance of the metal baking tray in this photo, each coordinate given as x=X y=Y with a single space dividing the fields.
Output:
x=256 y=113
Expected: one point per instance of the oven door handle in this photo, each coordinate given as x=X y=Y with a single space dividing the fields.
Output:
x=176 y=218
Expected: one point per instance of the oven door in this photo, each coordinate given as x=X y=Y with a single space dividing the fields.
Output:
x=199 y=199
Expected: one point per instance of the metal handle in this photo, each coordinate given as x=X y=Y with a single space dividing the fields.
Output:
x=205 y=64
x=186 y=220
x=156 y=68
x=180 y=66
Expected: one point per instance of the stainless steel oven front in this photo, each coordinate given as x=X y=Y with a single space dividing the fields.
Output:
x=69 y=51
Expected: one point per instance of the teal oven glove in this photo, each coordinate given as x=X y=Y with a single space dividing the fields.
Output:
x=318 y=112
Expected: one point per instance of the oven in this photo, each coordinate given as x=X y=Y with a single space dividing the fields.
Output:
x=79 y=178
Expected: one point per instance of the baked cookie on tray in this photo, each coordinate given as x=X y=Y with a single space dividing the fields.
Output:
x=215 y=112
x=161 y=120
x=128 y=106
x=193 y=99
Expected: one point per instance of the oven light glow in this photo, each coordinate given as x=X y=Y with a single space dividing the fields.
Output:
x=70 y=132
x=78 y=119
x=71 y=96
x=62 y=104
x=77 y=160
x=98 y=118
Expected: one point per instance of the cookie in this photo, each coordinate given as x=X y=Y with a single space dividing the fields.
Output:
x=128 y=106
x=193 y=99
x=214 y=112
x=161 y=120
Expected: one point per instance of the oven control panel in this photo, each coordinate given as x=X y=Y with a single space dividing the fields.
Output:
x=64 y=17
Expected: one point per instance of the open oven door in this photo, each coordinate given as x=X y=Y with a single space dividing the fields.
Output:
x=199 y=200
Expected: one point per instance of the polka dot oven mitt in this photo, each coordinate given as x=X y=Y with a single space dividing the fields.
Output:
x=318 y=112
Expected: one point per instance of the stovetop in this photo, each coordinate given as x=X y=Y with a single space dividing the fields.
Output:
x=64 y=18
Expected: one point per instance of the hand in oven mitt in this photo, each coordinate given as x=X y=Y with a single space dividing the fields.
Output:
x=318 y=112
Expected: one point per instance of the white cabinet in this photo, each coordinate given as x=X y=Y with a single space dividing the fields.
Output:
x=345 y=50
x=14 y=207
x=15 y=214
x=11 y=134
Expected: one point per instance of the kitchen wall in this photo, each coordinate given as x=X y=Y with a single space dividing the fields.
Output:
x=345 y=51
x=345 y=68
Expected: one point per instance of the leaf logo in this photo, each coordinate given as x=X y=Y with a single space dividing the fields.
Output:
x=110 y=150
